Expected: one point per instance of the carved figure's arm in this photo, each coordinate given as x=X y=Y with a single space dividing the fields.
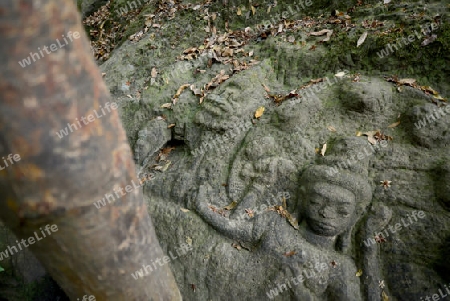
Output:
x=237 y=229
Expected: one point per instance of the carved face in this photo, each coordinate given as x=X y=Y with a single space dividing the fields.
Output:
x=329 y=209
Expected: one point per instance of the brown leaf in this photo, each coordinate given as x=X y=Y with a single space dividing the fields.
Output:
x=171 y=125
x=317 y=80
x=239 y=12
x=370 y=136
x=292 y=94
x=259 y=112
x=407 y=81
x=394 y=124
x=167 y=105
x=280 y=27
x=179 y=91
x=439 y=97
x=154 y=72
x=320 y=33
x=428 y=89
x=323 y=150
x=230 y=206
x=250 y=212
x=290 y=253
x=328 y=32
x=386 y=184
x=236 y=246
x=184 y=210
x=227 y=52
x=292 y=220
x=331 y=129
x=429 y=40
x=167 y=150
x=267 y=89
x=361 y=39
x=190 y=50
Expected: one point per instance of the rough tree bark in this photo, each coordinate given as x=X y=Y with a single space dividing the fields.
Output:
x=57 y=180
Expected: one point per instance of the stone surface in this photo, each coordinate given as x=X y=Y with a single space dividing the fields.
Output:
x=336 y=203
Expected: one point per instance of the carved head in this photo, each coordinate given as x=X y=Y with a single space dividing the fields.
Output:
x=332 y=202
x=329 y=209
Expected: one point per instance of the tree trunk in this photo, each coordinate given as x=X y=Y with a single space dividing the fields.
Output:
x=53 y=178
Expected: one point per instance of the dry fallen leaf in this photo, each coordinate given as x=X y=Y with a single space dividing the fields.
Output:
x=154 y=72
x=320 y=33
x=184 y=210
x=334 y=264
x=328 y=32
x=428 y=89
x=179 y=91
x=230 y=206
x=394 y=124
x=171 y=125
x=429 y=40
x=385 y=296
x=239 y=12
x=284 y=213
x=227 y=52
x=167 y=105
x=253 y=10
x=280 y=27
x=361 y=39
x=259 y=112
x=407 y=81
x=331 y=129
x=439 y=97
x=370 y=136
x=250 y=212
x=267 y=89
x=324 y=149
x=359 y=273
x=290 y=253
x=386 y=184
x=380 y=239
x=340 y=74
x=236 y=246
